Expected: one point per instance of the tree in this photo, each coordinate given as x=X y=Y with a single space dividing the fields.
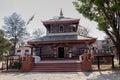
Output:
x=2 y=34
x=38 y=33
x=106 y=13
x=15 y=28
x=5 y=44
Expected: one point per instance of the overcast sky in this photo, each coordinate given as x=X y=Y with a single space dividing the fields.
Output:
x=44 y=10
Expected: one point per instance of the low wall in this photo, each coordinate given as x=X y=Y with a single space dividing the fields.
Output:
x=27 y=63
x=86 y=63
x=86 y=66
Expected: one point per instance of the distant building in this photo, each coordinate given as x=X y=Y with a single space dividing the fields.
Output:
x=63 y=40
x=105 y=46
x=23 y=51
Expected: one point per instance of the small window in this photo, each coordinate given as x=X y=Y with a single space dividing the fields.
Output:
x=26 y=50
x=73 y=28
x=61 y=28
x=49 y=28
x=18 y=50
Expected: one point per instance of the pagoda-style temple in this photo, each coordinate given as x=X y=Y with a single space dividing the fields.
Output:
x=63 y=39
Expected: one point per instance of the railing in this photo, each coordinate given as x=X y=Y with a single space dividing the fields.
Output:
x=107 y=58
x=11 y=62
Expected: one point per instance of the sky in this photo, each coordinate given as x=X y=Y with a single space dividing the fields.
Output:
x=44 y=10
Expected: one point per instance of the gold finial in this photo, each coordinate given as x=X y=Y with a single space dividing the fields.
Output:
x=61 y=13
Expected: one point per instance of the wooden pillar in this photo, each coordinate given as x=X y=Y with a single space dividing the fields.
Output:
x=40 y=51
x=31 y=50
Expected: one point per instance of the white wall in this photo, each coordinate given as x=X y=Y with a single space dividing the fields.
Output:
x=22 y=51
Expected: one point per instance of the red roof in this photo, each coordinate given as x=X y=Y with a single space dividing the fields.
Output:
x=61 y=20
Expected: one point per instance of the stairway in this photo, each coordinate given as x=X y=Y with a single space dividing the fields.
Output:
x=56 y=67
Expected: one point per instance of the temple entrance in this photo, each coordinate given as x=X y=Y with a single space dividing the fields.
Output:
x=61 y=52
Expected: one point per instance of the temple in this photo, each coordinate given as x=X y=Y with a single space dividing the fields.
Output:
x=65 y=39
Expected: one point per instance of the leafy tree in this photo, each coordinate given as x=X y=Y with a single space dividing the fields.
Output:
x=5 y=44
x=106 y=13
x=38 y=33
x=15 y=28
x=2 y=34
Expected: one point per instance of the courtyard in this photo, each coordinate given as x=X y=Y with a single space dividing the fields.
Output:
x=102 y=75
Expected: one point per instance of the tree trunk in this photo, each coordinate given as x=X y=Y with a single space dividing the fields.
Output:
x=118 y=53
x=15 y=42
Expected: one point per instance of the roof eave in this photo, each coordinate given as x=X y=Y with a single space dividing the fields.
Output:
x=63 y=21
x=61 y=41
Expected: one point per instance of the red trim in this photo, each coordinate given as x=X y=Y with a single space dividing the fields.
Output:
x=64 y=21
x=61 y=41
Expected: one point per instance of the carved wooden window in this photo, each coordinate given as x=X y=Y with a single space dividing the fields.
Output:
x=81 y=50
x=49 y=28
x=61 y=28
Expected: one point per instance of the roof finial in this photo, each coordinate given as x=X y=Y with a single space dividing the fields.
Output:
x=61 y=13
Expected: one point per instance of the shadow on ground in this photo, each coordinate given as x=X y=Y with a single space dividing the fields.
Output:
x=115 y=75
x=97 y=75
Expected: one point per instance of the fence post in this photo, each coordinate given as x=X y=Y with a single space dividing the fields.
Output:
x=7 y=62
x=112 y=61
x=98 y=62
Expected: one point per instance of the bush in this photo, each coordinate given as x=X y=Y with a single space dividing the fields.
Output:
x=16 y=65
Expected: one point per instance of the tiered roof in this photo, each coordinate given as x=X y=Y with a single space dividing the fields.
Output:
x=61 y=39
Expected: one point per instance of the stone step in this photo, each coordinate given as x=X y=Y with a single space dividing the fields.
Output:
x=55 y=70
x=56 y=67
